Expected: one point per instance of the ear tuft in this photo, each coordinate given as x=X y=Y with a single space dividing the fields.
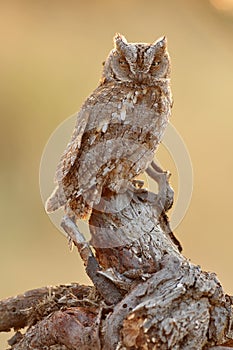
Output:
x=120 y=42
x=161 y=43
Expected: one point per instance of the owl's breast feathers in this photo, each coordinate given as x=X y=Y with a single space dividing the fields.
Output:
x=113 y=106
x=127 y=104
x=117 y=131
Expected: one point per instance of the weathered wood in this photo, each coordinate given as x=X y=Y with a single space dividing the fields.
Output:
x=104 y=286
x=179 y=307
x=165 y=301
x=71 y=329
x=25 y=309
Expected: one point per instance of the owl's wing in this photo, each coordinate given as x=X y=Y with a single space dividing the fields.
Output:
x=70 y=154
x=94 y=114
x=91 y=116
x=95 y=111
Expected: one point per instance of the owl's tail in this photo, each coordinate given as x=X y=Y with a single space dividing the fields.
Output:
x=56 y=200
x=74 y=206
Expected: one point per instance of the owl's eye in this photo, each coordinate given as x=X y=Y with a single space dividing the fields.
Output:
x=155 y=63
x=123 y=63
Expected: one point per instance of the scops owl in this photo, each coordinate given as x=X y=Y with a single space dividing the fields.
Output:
x=118 y=127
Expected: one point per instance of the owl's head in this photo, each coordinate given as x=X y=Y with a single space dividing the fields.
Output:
x=138 y=63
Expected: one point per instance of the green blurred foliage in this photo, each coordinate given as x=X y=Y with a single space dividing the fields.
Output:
x=51 y=55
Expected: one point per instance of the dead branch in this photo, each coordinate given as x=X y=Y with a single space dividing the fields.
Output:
x=30 y=307
x=162 y=300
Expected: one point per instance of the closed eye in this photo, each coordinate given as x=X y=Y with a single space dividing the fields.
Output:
x=123 y=63
x=155 y=63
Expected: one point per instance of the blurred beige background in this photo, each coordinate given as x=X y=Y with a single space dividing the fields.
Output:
x=51 y=55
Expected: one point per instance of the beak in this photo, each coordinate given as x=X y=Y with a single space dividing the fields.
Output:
x=141 y=77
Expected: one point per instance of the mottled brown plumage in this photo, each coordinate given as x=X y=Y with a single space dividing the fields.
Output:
x=118 y=127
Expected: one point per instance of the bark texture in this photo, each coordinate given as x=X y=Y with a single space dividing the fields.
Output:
x=146 y=294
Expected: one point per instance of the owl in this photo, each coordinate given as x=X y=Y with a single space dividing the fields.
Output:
x=118 y=128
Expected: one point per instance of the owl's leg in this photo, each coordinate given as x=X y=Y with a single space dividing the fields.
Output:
x=165 y=193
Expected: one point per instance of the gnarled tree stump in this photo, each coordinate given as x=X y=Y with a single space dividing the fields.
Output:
x=146 y=294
